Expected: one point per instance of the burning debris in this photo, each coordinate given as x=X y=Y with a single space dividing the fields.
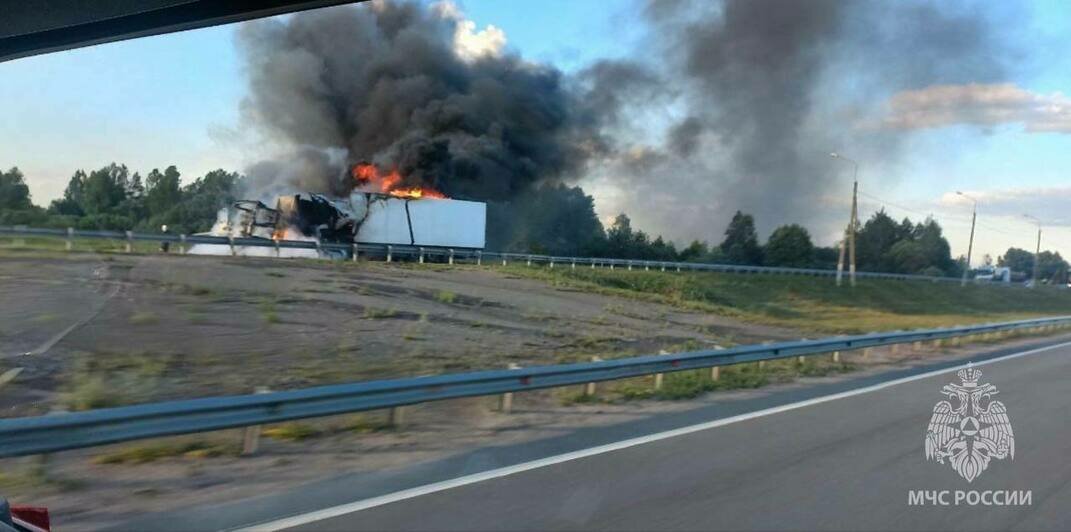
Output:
x=379 y=211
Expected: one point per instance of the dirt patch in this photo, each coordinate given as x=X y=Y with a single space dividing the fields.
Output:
x=114 y=329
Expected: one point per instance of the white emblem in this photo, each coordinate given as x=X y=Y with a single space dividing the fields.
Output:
x=970 y=429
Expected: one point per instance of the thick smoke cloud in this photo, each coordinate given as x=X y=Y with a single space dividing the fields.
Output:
x=383 y=82
x=728 y=105
x=765 y=89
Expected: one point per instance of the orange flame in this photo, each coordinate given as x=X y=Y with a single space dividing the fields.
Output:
x=367 y=174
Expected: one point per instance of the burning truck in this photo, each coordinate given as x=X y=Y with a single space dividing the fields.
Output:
x=378 y=211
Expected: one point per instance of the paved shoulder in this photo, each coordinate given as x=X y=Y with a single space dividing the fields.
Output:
x=849 y=463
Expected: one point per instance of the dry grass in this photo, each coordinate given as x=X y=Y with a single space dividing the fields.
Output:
x=816 y=304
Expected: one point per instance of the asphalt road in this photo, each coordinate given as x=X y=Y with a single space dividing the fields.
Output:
x=845 y=464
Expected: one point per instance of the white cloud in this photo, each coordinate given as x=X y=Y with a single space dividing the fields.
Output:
x=470 y=44
x=980 y=105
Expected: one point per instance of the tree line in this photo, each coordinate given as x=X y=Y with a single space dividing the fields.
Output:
x=114 y=198
x=553 y=219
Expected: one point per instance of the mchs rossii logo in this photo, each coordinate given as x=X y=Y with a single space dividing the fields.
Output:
x=968 y=431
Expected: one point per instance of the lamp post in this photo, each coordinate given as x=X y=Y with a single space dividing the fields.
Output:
x=1037 y=254
x=970 y=243
x=849 y=232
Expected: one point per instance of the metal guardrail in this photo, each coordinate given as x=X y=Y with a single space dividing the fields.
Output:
x=452 y=255
x=58 y=432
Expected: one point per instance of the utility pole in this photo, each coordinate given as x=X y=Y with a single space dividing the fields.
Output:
x=1037 y=254
x=849 y=232
x=970 y=243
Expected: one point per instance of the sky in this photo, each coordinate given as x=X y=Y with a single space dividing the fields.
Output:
x=175 y=99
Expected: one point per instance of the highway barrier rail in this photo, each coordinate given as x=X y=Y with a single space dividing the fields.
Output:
x=445 y=254
x=63 y=431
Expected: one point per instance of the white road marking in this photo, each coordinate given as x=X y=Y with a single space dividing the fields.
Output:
x=356 y=506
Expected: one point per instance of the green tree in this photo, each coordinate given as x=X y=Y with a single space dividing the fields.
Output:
x=104 y=189
x=876 y=238
x=619 y=237
x=71 y=203
x=1052 y=267
x=14 y=193
x=1018 y=260
x=695 y=252
x=201 y=200
x=907 y=256
x=741 y=244
x=789 y=245
x=164 y=191
x=934 y=246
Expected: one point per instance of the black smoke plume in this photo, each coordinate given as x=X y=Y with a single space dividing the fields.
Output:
x=731 y=105
x=763 y=90
x=382 y=82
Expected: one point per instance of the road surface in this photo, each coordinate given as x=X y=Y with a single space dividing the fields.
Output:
x=843 y=457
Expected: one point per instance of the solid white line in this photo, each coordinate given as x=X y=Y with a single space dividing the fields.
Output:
x=356 y=506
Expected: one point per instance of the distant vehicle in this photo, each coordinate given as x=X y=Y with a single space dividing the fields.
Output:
x=992 y=274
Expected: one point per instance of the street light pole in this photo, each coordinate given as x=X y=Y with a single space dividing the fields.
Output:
x=970 y=243
x=1037 y=254
x=849 y=232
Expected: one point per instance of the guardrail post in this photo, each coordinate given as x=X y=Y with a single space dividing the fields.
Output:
x=917 y=346
x=230 y=240
x=40 y=462
x=593 y=264
x=551 y=263
x=397 y=417
x=421 y=255
x=678 y=268
x=354 y=252
x=663 y=266
x=390 y=250
x=659 y=377
x=182 y=244
x=479 y=258
x=894 y=348
x=278 y=252
x=251 y=434
x=529 y=260
x=629 y=265
x=836 y=357
x=646 y=266
x=129 y=241
x=451 y=259
x=505 y=401
x=503 y=261
x=70 y=238
x=866 y=353
x=611 y=266
x=936 y=343
x=319 y=253
x=574 y=264
x=589 y=388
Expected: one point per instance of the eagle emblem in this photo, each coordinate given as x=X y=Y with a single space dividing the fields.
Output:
x=970 y=429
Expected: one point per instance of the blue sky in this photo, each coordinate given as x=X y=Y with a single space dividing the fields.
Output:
x=174 y=99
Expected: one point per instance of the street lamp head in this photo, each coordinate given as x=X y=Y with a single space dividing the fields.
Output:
x=834 y=155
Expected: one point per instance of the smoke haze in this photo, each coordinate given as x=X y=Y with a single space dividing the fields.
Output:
x=748 y=98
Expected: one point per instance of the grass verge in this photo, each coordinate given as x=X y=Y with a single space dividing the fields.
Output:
x=816 y=304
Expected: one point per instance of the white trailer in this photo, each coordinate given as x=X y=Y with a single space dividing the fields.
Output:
x=443 y=223
x=364 y=218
